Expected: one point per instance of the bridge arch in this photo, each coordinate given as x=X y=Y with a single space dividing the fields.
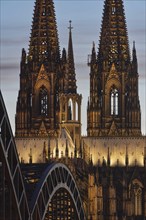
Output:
x=56 y=177
x=13 y=199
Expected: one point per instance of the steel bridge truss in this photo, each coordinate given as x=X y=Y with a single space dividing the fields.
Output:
x=55 y=196
x=12 y=192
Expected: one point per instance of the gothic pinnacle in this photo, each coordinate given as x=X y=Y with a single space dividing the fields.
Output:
x=134 y=60
x=93 y=59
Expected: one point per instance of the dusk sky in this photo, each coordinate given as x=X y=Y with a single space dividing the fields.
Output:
x=86 y=16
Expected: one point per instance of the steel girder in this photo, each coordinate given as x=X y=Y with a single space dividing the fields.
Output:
x=12 y=186
x=56 y=176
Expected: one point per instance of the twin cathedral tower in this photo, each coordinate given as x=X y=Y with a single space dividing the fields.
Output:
x=109 y=164
x=48 y=99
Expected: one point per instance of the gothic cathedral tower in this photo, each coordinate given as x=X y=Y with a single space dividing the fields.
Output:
x=47 y=99
x=113 y=107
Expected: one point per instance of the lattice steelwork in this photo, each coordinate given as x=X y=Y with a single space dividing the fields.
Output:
x=61 y=207
x=56 y=196
x=12 y=192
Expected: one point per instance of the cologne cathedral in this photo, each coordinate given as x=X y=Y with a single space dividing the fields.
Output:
x=109 y=164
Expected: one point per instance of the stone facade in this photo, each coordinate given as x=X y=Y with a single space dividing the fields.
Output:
x=109 y=164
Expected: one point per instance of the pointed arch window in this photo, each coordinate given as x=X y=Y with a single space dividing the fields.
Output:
x=43 y=101
x=114 y=101
x=76 y=111
x=113 y=10
x=70 y=110
x=63 y=112
x=136 y=193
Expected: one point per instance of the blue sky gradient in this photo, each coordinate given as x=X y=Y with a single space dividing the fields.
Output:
x=86 y=16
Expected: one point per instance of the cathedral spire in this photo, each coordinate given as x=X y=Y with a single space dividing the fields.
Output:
x=114 y=107
x=71 y=77
x=113 y=45
x=44 y=45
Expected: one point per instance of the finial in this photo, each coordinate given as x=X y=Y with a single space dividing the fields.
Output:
x=88 y=102
x=91 y=161
x=126 y=158
x=23 y=57
x=75 y=151
x=93 y=56
x=133 y=44
x=64 y=55
x=30 y=156
x=49 y=149
x=70 y=26
x=103 y=162
x=57 y=150
x=81 y=150
x=108 y=157
x=145 y=156
x=66 y=149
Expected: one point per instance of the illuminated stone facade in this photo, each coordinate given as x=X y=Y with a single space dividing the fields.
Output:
x=109 y=164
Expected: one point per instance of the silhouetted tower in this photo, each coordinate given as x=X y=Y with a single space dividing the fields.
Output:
x=37 y=112
x=48 y=98
x=113 y=108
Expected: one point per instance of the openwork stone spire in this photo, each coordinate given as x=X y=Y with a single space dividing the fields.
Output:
x=71 y=78
x=113 y=45
x=39 y=76
x=44 y=45
x=113 y=107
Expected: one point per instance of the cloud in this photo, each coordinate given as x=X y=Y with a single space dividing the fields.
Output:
x=9 y=58
x=9 y=82
x=13 y=27
x=138 y=34
x=9 y=90
x=7 y=42
x=9 y=77
x=9 y=66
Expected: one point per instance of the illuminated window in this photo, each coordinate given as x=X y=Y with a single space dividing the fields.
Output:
x=114 y=101
x=44 y=12
x=113 y=10
x=43 y=101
